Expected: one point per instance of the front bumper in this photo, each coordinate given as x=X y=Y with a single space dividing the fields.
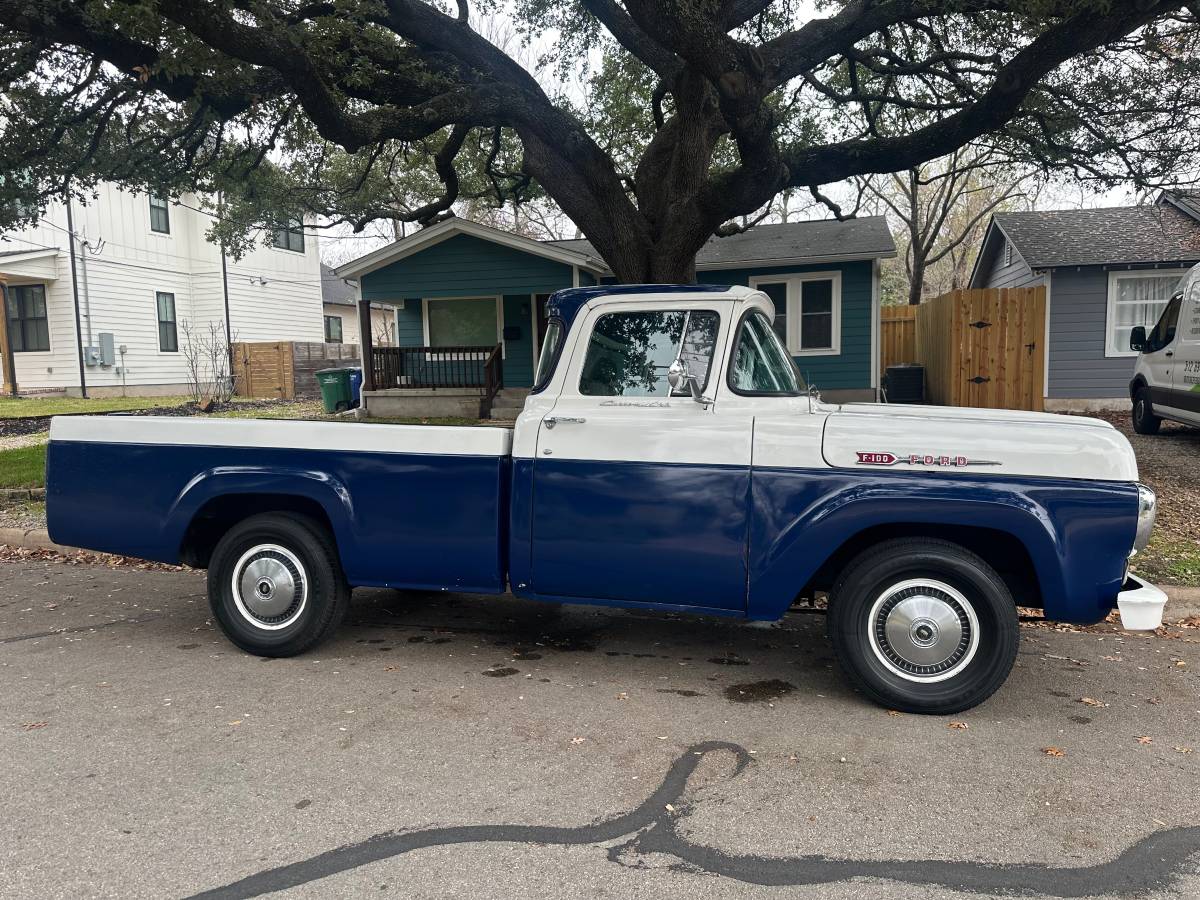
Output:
x=1140 y=604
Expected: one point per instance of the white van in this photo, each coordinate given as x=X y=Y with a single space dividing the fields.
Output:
x=1166 y=380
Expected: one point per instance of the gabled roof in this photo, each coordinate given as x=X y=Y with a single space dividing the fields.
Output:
x=1185 y=201
x=790 y=243
x=1111 y=236
x=334 y=289
x=443 y=230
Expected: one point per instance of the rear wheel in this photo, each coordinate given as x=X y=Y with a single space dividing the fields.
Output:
x=923 y=625
x=1144 y=419
x=275 y=584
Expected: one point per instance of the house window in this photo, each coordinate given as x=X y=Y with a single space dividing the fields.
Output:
x=1135 y=298
x=333 y=329
x=160 y=215
x=29 y=329
x=290 y=237
x=168 y=335
x=461 y=323
x=808 y=311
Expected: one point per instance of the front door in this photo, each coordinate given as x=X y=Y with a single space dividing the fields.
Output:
x=640 y=493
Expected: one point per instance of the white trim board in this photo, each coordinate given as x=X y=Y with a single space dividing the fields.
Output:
x=449 y=440
x=794 y=296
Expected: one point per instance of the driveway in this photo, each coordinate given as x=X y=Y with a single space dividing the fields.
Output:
x=448 y=746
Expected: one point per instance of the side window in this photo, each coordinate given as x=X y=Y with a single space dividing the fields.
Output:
x=1164 y=330
x=628 y=353
x=761 y=363
x=1191 y=313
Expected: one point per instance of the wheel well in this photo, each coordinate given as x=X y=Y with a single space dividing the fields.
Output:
x=999 y=549
x=1136 y=385
x=220 y=514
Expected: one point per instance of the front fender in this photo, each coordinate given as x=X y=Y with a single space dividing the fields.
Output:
x=221 y=481
x=1077 y=533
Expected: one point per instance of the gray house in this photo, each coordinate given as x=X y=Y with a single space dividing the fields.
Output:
x=1105 y=271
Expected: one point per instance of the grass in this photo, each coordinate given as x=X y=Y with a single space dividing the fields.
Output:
x=30 y=407
x=24 y=467
x=1170 y=560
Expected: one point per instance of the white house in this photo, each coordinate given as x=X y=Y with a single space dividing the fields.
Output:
x=142 y=269
x=341 y=313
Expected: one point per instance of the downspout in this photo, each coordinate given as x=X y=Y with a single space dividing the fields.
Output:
x=75 y=292
x=86 y=249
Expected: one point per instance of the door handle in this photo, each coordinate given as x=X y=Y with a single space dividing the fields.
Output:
x=551 y=421
x=1169 y=353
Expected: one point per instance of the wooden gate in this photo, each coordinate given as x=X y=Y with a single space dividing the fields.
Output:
x=897 y=336
x=984 y=348
x=264 y=370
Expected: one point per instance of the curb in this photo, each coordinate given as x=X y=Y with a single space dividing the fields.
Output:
x=23 y=494
x=31 y=539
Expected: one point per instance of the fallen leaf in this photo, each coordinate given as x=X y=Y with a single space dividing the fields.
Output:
x=894 y=712
x=235 y=722
x=1091 y=701
x=1180 y=662
x=961 y=726
x=30 y=726
x=1056 y=752
x=1144 y=739
x=1154 y=700
x=578 y=740
x=623 y=696
x=1183 y=749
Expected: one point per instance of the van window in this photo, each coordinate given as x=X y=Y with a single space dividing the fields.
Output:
x=1164 y=331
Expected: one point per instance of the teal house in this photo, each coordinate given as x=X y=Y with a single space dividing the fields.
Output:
x=470 y=301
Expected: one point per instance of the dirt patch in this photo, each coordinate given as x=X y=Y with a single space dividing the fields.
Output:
x=1167 y=462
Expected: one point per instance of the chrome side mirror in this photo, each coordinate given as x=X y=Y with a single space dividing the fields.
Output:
x=678 y=377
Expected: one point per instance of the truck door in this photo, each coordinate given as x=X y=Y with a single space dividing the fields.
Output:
x=1159 y=357
x=1185 y=376
x=640 y=493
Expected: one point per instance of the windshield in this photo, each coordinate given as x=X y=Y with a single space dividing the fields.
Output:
x=550 y=345
x=761 y=362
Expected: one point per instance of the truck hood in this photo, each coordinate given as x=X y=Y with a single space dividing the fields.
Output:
x=985 y=441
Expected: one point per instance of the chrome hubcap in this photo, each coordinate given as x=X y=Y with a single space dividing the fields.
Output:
x=923 y=630
x=270 y=589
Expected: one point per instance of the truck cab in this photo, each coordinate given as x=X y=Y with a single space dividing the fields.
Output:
x=1166 y=378
x=669 y=457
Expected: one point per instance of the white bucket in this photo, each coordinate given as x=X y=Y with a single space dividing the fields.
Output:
x=1141 y=605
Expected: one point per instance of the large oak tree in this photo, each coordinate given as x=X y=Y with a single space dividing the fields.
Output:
x=291 y=106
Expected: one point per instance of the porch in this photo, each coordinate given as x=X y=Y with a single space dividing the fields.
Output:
x=437 y=381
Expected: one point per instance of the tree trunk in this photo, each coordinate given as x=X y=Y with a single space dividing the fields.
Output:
x=916 y=283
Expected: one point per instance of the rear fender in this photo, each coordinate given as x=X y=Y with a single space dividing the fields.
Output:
x=222 y=481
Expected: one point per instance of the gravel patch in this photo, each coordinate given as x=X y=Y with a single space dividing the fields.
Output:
x=16 y=441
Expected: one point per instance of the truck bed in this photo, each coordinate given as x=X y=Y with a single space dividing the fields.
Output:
x=410 y=505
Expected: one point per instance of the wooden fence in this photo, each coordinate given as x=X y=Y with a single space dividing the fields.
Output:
x=984 y=348
x=286 y=369
x=897 y=336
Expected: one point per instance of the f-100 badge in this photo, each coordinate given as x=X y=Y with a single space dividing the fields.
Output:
x=877 y=458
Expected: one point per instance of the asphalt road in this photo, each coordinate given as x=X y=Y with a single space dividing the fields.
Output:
x=451 y=746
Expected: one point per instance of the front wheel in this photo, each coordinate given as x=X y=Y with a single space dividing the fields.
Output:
x=275 y=584
x=923 y=625
x=1144 y=419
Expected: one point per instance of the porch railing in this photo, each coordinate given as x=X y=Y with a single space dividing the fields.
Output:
x=439 y=367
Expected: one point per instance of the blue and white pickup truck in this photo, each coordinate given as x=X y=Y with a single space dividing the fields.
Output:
x=669 y=457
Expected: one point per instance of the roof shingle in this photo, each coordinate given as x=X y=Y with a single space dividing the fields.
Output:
x=1114 y=235
x=824 y=239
